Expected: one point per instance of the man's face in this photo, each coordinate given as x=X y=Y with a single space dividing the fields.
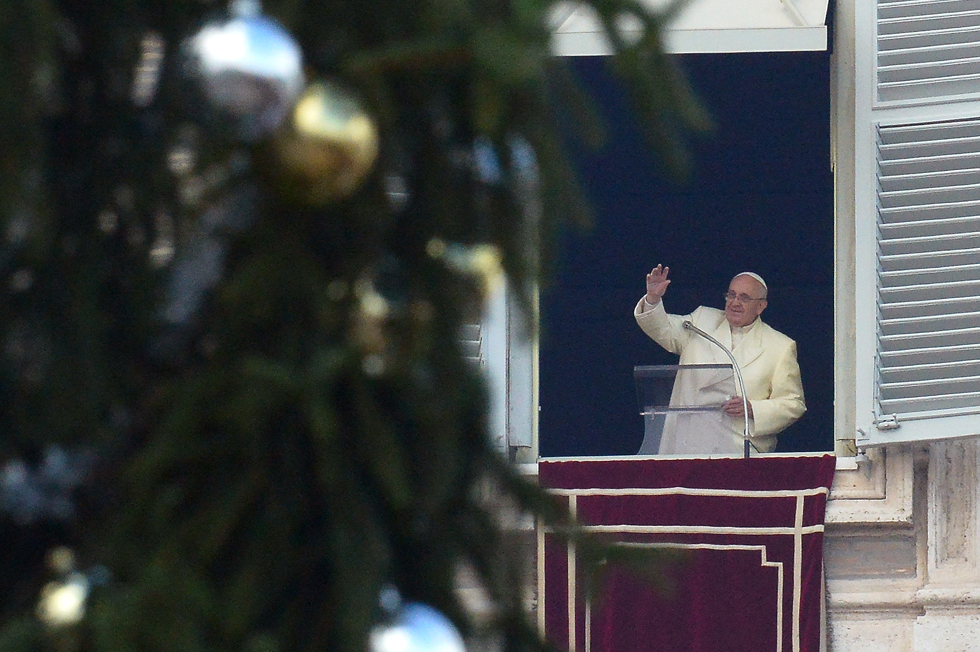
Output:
x=748 y=303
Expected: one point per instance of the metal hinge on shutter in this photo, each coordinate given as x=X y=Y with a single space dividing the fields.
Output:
x=887 y=422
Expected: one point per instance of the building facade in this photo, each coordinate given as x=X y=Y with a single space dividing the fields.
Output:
x=902 y=557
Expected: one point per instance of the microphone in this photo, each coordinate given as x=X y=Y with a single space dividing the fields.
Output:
x=689 y=325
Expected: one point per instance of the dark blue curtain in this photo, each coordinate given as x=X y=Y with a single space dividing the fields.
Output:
x=760 y=198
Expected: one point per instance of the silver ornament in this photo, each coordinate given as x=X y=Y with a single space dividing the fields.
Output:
x=416 y=628
x=248 y=69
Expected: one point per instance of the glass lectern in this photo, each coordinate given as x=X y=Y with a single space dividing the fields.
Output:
x=682 y=410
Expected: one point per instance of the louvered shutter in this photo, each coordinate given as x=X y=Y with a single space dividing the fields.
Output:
x=471 y=341
x=929 y=278
x=928 y=49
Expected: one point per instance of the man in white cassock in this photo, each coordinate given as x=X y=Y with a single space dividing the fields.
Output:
x=766 y=358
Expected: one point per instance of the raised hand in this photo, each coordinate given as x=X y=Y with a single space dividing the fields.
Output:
x=657 y=284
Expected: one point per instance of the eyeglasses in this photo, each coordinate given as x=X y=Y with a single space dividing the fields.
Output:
x=743 y=298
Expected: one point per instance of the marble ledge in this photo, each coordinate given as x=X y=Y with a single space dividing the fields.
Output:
x=876 y=602
x=950 y=597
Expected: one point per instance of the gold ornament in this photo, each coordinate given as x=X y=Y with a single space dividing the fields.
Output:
x=481 y=261
x=328 y=147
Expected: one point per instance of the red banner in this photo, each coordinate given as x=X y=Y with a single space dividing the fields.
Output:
x=749 y=538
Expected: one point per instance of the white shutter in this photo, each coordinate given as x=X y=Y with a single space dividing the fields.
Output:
x=479 y=348
x=929 y=277
x=919 y=259
x=928 y=49
x=496 y=345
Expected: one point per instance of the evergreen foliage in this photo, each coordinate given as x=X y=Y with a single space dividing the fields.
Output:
x=199 y=389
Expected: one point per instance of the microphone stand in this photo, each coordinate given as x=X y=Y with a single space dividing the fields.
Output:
x=689 y=325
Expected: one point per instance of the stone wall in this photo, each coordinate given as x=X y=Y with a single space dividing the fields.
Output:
x=902 y=550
